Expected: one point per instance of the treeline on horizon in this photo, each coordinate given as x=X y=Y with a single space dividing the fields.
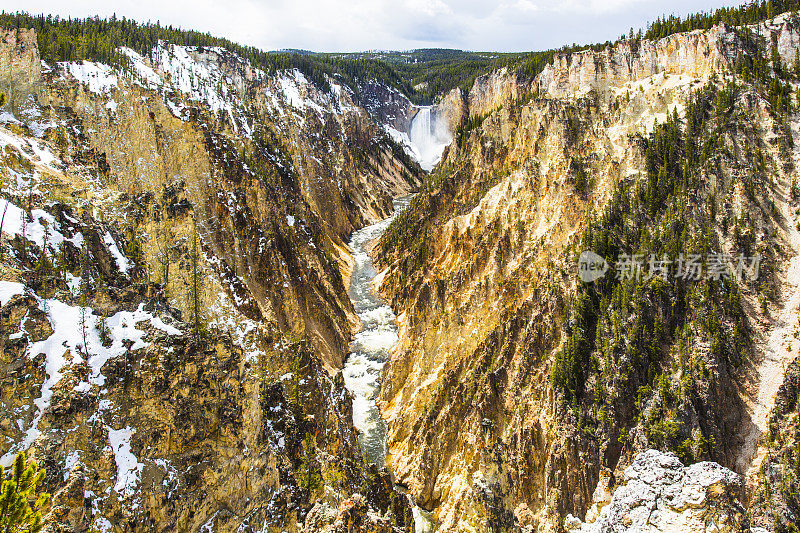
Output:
x=431 y=73
x=436 y=71
x=749 y=13
x=97 y=39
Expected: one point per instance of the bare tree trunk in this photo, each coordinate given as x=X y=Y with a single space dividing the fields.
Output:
x=2 y=221
x=195 y=283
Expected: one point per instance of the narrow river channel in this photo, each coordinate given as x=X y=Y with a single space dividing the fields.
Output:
x=370 y=350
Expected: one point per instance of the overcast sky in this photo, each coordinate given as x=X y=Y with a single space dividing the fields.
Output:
x=326 y=25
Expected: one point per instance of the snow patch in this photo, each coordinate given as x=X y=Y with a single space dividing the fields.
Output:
x=9 y=289
x=200 y=81
x=38 y=226
x=143 y=75
x=41 y=154
x=71 y=460
x=99 y=78
x=121 y=260
x=129 y=469
x=72 y=327
x=291 y=84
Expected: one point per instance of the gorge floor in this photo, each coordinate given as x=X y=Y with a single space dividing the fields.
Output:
x=371 y=349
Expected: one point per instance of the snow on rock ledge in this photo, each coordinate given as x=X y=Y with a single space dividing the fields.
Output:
x=660 y=494
x=98 y=77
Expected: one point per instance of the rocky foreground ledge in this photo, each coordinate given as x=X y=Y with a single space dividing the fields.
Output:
x=659 y=493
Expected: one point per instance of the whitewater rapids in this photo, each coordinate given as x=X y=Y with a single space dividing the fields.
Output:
x=370 y=350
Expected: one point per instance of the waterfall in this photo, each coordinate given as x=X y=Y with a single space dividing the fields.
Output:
x=429 y=136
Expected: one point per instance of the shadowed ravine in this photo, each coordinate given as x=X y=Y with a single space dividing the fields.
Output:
x=370 y=349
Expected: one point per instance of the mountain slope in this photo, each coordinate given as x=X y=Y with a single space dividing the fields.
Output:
x=174 y=275
x=174 y=289
x=515 y=385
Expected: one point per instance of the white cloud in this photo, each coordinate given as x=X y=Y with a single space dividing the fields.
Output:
x=329 y=25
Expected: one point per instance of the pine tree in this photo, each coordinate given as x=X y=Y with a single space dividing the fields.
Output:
x=19 y=488
x=84 y=297
x=775 y=57
x=24 y=234
x=134 y=251
x=60 y=262
x=195 y=286
x=44 y=267
x=164 y=244
x=2 y=221
x=309 y=475
x=796 y=66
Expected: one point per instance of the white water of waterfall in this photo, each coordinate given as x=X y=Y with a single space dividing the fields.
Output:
x=370 y=350
x=429 y=136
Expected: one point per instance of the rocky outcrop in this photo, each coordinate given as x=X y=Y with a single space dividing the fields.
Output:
x=388 y=105
x=356 y=515
x=659 y=494
x=451 y=108
x=242 y=153
x=696 y=54
x=19 y=64
x=175 y=312
x=774 y=500
x=19 y=54
x=491 y=91
x=784 y=32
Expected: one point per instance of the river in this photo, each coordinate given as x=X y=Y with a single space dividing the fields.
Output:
x=370 y=350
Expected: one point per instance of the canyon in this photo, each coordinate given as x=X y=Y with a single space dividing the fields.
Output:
x=238 y=299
